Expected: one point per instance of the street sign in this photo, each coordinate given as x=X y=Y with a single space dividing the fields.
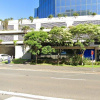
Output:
x=92 y=52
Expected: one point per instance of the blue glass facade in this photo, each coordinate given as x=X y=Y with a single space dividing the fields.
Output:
x=36 y=12
x=68 y=7
x=46 y=7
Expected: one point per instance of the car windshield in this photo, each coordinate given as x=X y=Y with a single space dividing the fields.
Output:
x=4 y=55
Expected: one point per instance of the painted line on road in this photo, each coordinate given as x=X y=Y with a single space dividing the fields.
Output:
x=17 y=98
x=68 y=79
x=32 y=70
x=31 y=96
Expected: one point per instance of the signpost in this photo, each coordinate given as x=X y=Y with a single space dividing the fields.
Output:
x=92 y=53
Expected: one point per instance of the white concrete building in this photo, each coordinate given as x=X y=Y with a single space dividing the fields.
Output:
x=14 y=32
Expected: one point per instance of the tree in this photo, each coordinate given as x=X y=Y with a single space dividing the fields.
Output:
x=59 y=15
x=25 y=28
x=10 y=18
x=50 y=16
x=5 y=24
x=41 y=28
x=35 y=40
x=94 y=14
x=75 y=14
x=20 y=20
x=58 y=37
x=84 y=34
x=31 y=18
x=65 y=15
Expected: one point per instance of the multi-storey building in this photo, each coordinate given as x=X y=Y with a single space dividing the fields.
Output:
x=68 y=7
x=14 y=33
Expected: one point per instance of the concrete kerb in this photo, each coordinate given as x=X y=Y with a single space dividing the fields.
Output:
x=49 y=68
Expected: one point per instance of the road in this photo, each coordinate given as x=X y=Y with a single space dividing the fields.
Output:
x=45 y=85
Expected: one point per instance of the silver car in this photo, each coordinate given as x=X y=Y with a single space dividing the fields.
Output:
x=4 y=57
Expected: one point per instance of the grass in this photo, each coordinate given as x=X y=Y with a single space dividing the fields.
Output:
x=22 y=61
x=89 y=66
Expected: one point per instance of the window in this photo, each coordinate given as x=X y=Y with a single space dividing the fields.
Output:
x=67 y=2
x=57 y=3
x=63 y=2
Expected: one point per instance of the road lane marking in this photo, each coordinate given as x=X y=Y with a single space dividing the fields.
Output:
x=34 y=70
x=17 y=98
x=68 y=79
x=31 y=96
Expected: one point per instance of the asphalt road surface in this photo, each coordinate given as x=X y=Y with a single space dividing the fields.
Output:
x=44 y=85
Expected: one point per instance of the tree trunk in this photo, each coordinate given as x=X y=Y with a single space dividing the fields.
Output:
x=82 y=57
x=58 y=57
x=36 y=59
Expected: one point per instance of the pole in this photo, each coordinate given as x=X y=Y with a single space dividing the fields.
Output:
x=92 y=63
x=92 y=53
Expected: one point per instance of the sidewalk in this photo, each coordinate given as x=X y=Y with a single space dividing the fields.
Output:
x=52 y=68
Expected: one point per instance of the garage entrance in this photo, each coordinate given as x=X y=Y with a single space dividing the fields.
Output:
x=10 y=50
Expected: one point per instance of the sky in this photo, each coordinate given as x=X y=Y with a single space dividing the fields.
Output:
x=17 y=8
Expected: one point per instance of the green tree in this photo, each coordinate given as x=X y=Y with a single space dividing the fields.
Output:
x=75 y=14
x=10 y=18
x=25 y=28
x=50 y=16
x=0 y=19
x=20 y=20
x=47 y=50
x=35 y=40
x=59 y=15
x=41 y=28
x=65 y=15
x=84 y=34
x=94 y=14
x=59 y=36
x=31 y=18
x=5 y=24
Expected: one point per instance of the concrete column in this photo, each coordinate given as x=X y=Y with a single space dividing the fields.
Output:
x=19 y=51
x=15 y=37
x=38 y=25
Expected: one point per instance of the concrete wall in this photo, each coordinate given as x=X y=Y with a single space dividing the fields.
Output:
x=68 y=20
x=21 y=52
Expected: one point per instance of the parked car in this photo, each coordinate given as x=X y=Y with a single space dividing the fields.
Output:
x=4 y=57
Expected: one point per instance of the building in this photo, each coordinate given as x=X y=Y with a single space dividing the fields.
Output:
x=68 y=7
x=15 y=34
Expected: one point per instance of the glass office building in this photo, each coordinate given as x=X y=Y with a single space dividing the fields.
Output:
x=68 y=7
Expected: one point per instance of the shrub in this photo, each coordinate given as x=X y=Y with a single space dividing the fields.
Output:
x=19 y=61
x=1 y=41
x=50 y=16
x=63 y=26
x=41 y=28
x=97 y=63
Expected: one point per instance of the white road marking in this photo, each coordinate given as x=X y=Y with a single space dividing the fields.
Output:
x=69 y=79
x=31 y=96
x=10 y=65
x=17 y=98
x=33 y=70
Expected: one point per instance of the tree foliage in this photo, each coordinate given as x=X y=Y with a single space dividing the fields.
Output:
x=34 y=40
x=25 y=28
x=50 y=16
x=59 y=36
x=84 y=34
x=31 y=18
x=75 y=14
x=59 y=15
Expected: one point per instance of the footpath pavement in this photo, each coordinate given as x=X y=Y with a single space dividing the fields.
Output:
x=52 y=68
